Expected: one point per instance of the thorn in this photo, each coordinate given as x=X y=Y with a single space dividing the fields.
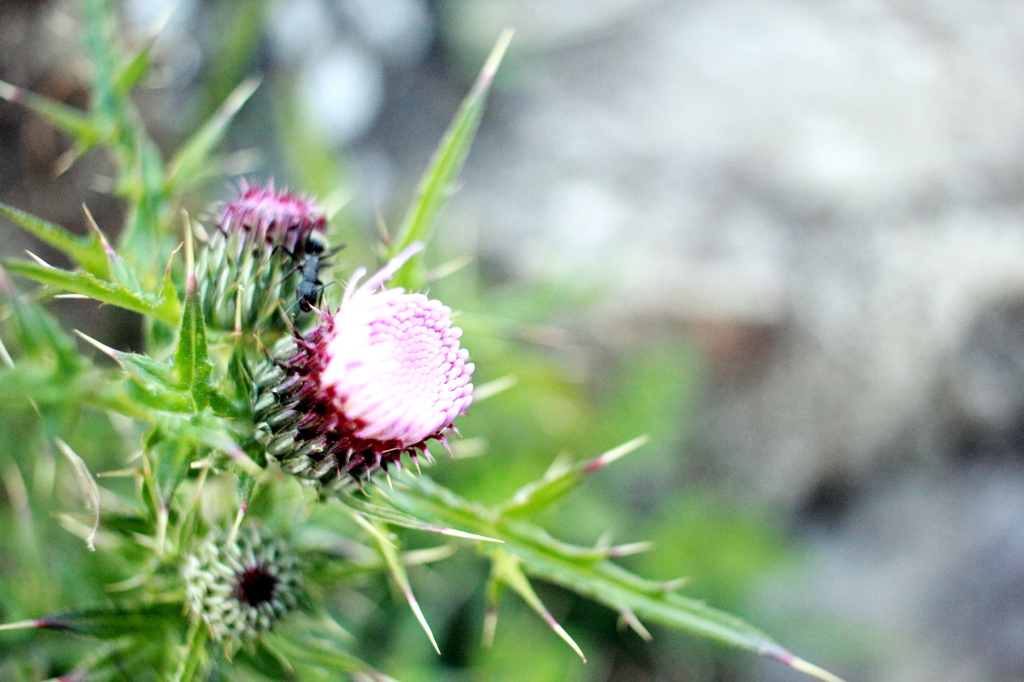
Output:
x=239 y=515
x=463 y=534
x=9 y=92
x=615 y=453
x=415 y=606
x=22 y=625
x=119 y=473
x=673 y=585
x=630 y=619
x=37 y=259
x=106 y=350
x=490 y=627
x=5 y=356
x=629 y=549
x=65 y=161
x=190 y=265
x=560 y=631
x=495 y=387
x=99 y=234
x=494 y=59
x=799 y=664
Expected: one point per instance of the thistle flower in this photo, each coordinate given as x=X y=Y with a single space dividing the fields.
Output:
x=250 y=263
x=376 y=380
x=241 y=587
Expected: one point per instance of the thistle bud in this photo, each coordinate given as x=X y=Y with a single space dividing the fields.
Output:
x=377 y=379
x=240 y=587
x=250 y=264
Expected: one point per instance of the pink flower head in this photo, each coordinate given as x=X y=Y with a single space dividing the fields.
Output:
x=270 y=217
x=381 y=376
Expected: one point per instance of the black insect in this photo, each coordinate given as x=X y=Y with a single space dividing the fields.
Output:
x=309 y=263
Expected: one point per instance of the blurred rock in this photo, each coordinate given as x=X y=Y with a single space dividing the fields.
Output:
x=830 y=196
x=844 y=176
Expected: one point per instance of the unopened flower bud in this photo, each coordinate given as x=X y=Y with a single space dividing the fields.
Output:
x=249 y=270
x=241 y=587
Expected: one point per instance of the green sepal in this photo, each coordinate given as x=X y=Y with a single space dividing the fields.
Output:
x=240 y=373
x=437 y=182
x=192 y=366
x=87 y=251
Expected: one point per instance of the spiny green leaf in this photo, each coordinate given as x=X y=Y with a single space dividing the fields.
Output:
x=167 y=311
x=605 y=582
x=106 y=623
x=393 y=560
x=123 y=273
x=171 y=451
x=505 y=567
x=197 y=657
x=560 y=479
x=101 y=42
x=86 y=251
x=437 y=182
x=40 y=335
x=194 y=153
x=142 y=183
x=75 y=122
x=306 y=641
x=397 y=518
x=134 y=70
x=213 y=432
x=151 y=383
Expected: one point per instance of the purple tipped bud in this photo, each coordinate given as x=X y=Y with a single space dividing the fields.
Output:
x=248 y=272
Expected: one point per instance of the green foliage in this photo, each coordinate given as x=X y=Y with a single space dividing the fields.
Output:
x=163 y=446
x=440 y=176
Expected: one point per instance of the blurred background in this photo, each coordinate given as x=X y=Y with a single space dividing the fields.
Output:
x=785 y=238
